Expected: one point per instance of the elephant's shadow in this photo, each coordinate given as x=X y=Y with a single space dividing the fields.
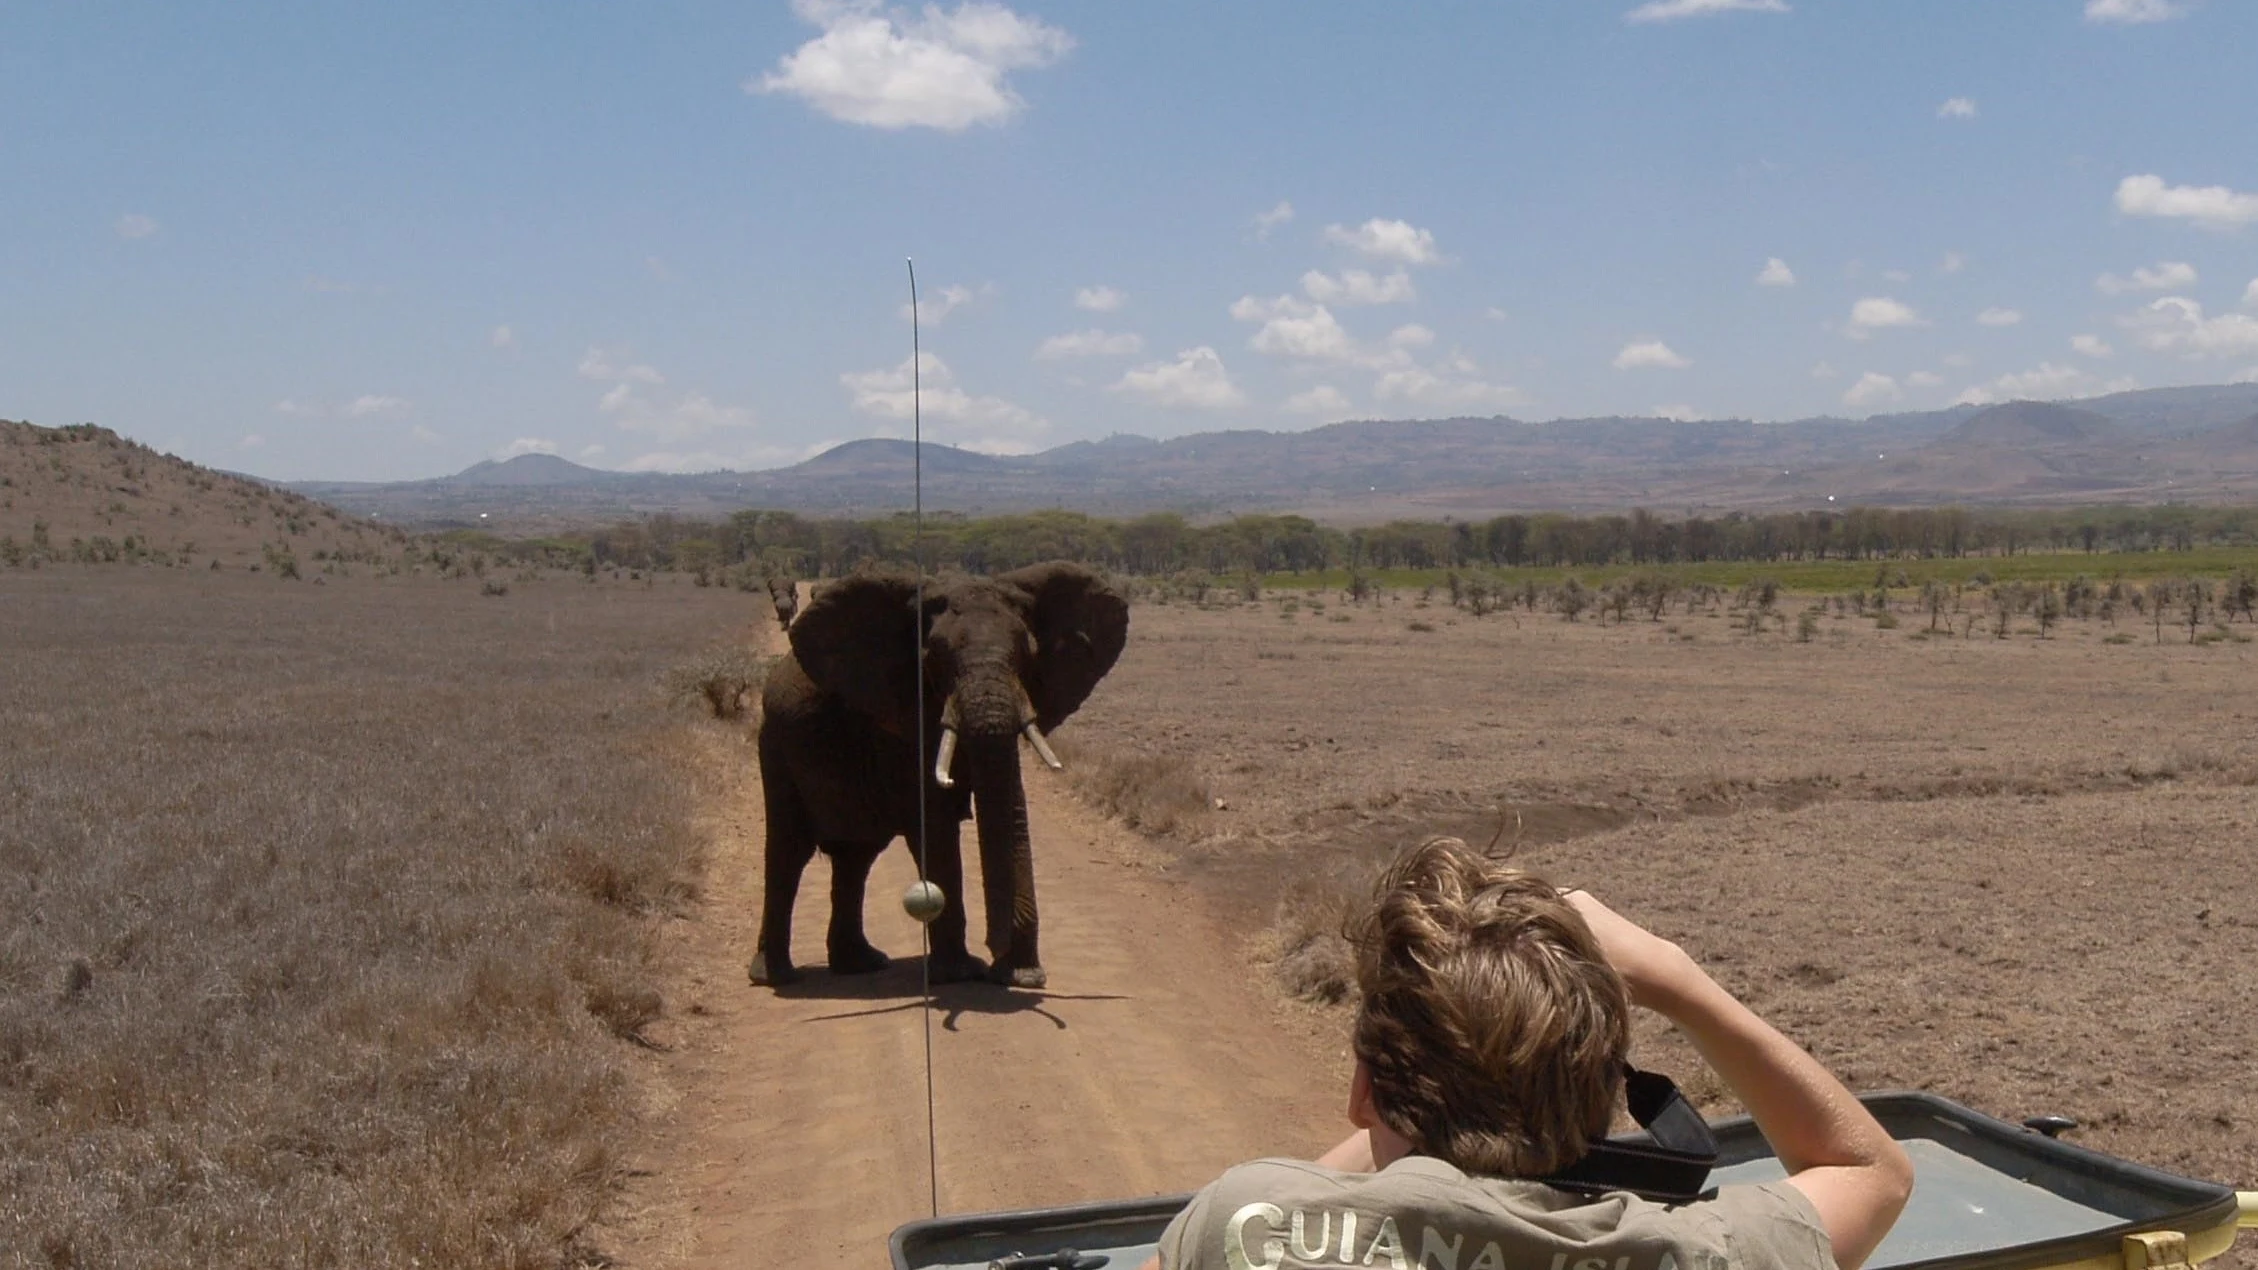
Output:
x=901 y=986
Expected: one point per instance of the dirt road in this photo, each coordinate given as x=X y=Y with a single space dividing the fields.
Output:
x=797 y=1130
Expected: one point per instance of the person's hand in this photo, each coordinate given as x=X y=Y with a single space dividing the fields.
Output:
x=1655 y=971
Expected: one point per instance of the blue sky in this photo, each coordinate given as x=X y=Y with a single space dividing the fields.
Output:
x=387 y=241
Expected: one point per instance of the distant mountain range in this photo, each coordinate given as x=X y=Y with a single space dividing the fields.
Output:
x=2166 y=444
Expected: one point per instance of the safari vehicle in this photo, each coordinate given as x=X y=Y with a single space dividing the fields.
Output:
x=1988 y=1195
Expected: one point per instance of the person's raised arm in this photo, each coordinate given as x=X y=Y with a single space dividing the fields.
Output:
x=1835 y=1152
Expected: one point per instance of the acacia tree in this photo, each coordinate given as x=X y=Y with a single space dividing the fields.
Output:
x=2048 y=609
x=2195 y=595
x=1934 y=598
x=2240 y=595
x=2159 y=599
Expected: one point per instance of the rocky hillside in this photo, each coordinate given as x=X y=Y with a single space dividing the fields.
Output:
x=87 y=494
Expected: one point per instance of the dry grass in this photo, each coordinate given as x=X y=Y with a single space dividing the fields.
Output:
x=2008 y=870
x=1156 y=793
x=328 y=912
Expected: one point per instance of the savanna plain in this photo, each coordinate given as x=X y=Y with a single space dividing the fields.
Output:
x=2008 y=866
x=345 y=924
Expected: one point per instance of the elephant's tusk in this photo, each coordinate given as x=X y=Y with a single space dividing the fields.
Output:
x=1043 y=747
x=943 y=758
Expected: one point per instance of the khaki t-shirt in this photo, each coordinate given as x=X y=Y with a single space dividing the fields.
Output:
x=1424 y=1213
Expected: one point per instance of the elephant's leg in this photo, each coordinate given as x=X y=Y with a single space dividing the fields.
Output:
x=790 y=845
x=948 y=960
x=851 y=953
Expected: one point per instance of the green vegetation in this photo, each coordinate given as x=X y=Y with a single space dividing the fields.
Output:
x=1797 y=551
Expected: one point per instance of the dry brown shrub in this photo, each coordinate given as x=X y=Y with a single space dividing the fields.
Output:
x=328 y=912
x=727 y=678
x=1157 y=794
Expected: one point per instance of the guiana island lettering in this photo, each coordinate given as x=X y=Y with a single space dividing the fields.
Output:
x=1261 y=1236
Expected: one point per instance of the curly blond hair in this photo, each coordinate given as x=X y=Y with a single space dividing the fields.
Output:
x=1494 y=1029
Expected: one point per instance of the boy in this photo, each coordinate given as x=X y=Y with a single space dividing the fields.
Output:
x=1490 y=1048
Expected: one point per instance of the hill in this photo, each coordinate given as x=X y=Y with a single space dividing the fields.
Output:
x=84 y=493
x=2128 y=447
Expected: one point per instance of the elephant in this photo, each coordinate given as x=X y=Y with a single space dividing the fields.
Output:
x=784 y=593
x=1004 y=657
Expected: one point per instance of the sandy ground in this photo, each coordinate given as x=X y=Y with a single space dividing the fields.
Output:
x=792 y=1124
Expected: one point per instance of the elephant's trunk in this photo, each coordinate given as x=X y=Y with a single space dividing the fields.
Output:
x=1007 y=860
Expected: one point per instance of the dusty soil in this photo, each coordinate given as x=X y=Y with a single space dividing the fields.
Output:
x=2011 y=871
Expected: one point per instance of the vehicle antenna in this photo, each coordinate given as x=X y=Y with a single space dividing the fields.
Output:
x=923 y=908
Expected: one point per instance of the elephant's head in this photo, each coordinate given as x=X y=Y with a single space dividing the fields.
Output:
x=1004 y=657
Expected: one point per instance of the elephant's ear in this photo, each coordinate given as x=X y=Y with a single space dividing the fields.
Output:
x=859 y=637
x=1080 y=624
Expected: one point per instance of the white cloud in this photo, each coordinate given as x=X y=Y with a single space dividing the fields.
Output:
x=370 y=404
x=1356 y=286
x=1824 y=370
x=423 y=435
x=635 y=404
x=1324 y=400
x=1264 y=222
x=1957 y=108
x=1953 y=262
x=2049 y=382
x=2250 y=295
x=2091 y=346
x=1872 y=389
x=2247 y=375
x=1775 y=273
x=1462 y=389
x=1679 y=412
x=590 y=453
x=1388 y=240
x=1196 y=379
x=2211 y=206
x=2164 y=275
x=989 y=424
x=250 y=441
x=1410 y=335
x=2000 y=317
x=135 y=225
x=1880 y=313
x=1924 y=379
x=1896 y=275
x=601 y=364
x=1672 y=10
x=526 y=445
x=1496 y=314
x=1298 y=330
x=1314 y=335
x=2130 y=11
x=932 y=310
x=2176 y=325
x=1099 y=299
x=1091 y=343
x=502 y=337
x=293 y=406
x=932 y=69
x=1650 y=355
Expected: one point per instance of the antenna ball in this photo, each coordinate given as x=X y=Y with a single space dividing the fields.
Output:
x=923 y=901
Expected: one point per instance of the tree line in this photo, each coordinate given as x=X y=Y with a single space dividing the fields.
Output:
x=1166 y=543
